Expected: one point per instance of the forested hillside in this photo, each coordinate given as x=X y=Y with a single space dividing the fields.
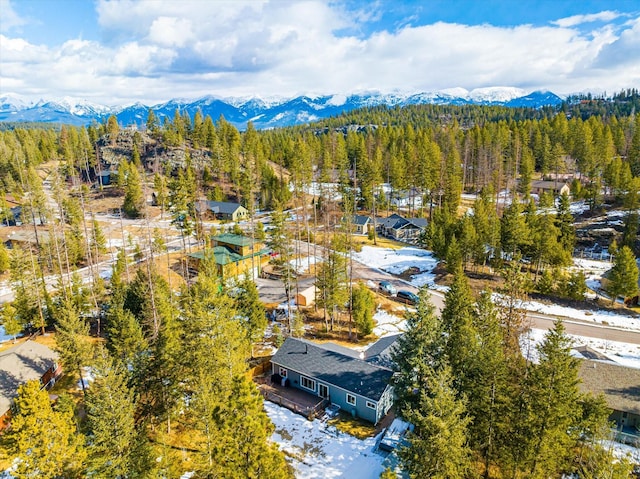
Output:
x=176 y=353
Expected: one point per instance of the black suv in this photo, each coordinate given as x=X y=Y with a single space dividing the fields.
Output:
x=407 y=297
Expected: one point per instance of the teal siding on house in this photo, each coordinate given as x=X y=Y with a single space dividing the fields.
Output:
x=359 y=387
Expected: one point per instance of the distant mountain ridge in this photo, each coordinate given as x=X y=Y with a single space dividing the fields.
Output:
x=263 y=113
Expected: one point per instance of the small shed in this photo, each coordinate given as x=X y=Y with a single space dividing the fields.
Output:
x=306 y=297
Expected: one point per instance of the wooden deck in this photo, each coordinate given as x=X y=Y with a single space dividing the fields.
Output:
x=294 y=399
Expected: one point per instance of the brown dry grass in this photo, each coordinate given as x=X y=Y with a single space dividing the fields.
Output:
x=355 y=427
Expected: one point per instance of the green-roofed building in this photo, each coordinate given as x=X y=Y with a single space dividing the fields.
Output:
x=233 y=254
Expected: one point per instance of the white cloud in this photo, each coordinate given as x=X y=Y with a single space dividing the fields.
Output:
x=574 y=20
x=171 y=31
x=9 y=19
x=153 y=51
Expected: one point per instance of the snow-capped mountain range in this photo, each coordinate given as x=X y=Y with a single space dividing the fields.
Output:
x=263 y=113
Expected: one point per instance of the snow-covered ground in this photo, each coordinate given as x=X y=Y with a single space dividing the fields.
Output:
x=302 y=264
x=316 y=450
x=388 y=324
x=593 y=271
x=397 y=261
x=625 y=321
x=625 y=354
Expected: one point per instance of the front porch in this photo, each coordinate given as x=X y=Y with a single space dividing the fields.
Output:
x=294 y=399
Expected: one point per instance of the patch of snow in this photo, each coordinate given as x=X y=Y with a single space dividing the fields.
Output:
x=106 y=273
x=625 y=354
x=596 y=316
x=578 y=207
x=496 y=94
x=316 y=450
x=302 y=265
x=388 y=324
x=87 y=376
x=397 y=261
x=115 y=243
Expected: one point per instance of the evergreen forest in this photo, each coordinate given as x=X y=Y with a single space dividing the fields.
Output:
x=164 y=353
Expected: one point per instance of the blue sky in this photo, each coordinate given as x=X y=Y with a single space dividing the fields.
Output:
x=121 y=51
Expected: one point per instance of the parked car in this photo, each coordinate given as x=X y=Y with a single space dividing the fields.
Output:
x=385 y=287
x=407 y=297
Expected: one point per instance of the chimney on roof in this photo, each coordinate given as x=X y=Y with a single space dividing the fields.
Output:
x=306 y=349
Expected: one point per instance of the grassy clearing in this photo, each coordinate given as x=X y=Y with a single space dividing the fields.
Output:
x=355 y=427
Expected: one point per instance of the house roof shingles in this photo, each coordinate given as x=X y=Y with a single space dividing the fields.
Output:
x=223 y=255
x=619 y=384
x=361 y=220
x=19 y=364
x=349 y=373
x=223 y=207
x=236 y=240
x=547 y=185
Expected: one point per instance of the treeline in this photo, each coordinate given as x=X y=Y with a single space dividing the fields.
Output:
x=542 y=239
x=624 y=103
x=424 y=147
x=481 y=406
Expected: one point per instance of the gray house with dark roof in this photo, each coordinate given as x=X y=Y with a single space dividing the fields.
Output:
x=361 y=224
x=341 y=375
x=400 y=228
x=223 y=210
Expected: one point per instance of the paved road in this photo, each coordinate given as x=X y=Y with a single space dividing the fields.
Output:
x=537 y=320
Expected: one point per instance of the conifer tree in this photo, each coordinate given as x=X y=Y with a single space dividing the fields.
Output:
x=99 y=241
x=125 y=337
x=623 y=277
x=10 y=321
x=72 y=339
x=331 y=281
x=5 y=259
x=113 y=129
x=363 y=306
x=252 y=309
x=546 y=282
x=134 y=201
x=514 y=232
x=564 y=222
x=116 y=448
x=211 y=349
x=554 y=408
x=486 y=387
x=438 y=444
x=461 y=337
x=280 y=241
x=595 y=459
x=419 y=352
x=243 y=429
x=43 y=441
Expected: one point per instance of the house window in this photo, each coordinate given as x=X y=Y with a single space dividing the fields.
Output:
x=307 y=383
x=283 y=372
x=371 y=405
x=351 y=399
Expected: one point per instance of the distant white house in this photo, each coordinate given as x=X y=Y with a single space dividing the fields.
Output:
x=411 y=198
